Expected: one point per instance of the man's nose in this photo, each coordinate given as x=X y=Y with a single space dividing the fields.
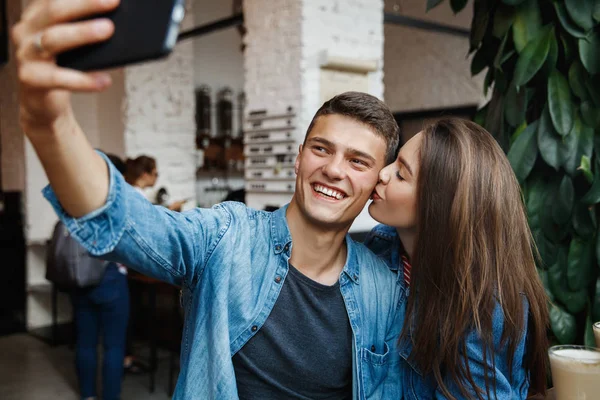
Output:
x=334 y=169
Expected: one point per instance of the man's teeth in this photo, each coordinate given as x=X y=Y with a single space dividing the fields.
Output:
x=329 y=192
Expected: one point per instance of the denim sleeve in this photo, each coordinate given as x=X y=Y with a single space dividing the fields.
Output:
x=476 y=363
x=163 y=244
x=506 y=387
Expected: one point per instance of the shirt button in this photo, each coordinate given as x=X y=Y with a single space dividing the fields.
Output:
x=355 y=277
x=277 y=279
x=287 y=247
x=254 y=328
x=278 y=247
x=373 y=348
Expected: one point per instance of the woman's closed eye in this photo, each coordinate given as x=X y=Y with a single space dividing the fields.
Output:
x=399 y=176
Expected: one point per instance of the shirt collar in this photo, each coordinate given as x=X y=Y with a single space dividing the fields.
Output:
x=282 y=240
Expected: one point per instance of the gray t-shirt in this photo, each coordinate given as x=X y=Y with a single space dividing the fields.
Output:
x=304 y=349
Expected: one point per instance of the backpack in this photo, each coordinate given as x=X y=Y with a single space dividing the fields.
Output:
x=68 y=263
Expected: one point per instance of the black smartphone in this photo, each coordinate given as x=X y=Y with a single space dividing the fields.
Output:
x=144 y=30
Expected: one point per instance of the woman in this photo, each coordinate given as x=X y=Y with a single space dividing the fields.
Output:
x=476 y=313
x=142 y=173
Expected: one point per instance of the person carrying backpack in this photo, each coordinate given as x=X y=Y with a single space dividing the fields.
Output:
x=100 y=298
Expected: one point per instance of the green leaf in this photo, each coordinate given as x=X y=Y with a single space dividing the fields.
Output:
x=577 y=77
x=523 y=152
x=503 y=20
x=590 y=114
x=498 y=59
x=581 y=12
x=487 y=81
x=457 y=5
x=589 y=52
x=596 y=302
x=593 y=88
x=568 y=150
x=586 y=167
x=536 y=191
x=549 y=142
x=566 y=21
x=552 y=58
x=568 y=46
x=527 y=24
x=583 y=136
x=479 y=61
x=584 y=220
x=563 y=325
x=547 y=249
x=515 y=106
x=479 y=23
x=432 y=4
x=563 y=204
x=596 y=14
x=544 y=278
x=553 y=231
x=559 y=99
x=533 y=57
x=520 y=129
x=593 y=195
x=581 y=263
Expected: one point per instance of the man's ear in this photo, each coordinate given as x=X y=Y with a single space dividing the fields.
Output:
x=297 y=163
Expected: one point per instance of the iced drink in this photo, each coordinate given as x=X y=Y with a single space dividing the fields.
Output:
x=597 y=333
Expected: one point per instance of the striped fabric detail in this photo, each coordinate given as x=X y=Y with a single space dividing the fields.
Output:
x=407 y=268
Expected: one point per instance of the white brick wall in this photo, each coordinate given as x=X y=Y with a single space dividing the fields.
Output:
x=159 y=119
x=286 y=42
x=348 y=29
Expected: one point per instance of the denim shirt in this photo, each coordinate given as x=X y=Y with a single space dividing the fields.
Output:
x=384 y=241
x=231 y=262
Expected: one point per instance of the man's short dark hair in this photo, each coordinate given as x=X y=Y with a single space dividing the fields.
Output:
x=368 y=110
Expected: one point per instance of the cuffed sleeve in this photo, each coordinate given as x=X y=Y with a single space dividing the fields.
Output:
x=99 y=231
x=170 y=246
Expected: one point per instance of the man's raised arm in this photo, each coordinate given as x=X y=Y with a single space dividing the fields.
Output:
x=78 y=175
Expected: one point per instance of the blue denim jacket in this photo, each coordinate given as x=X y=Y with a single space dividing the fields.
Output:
x=231 y=262
x=384 y=241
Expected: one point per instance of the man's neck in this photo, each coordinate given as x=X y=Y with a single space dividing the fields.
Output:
x=318 y=252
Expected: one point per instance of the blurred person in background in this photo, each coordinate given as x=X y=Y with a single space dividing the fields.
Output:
x=102 y=310
x=142 y=173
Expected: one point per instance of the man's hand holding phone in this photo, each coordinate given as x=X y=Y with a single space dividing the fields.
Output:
x=46 y=29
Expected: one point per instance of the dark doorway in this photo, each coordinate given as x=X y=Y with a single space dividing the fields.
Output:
x=12 y=261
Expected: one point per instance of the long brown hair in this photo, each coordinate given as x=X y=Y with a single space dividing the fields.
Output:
x=474 y=251
x=136 y=167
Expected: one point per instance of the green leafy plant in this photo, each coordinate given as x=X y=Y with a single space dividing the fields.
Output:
x=543 y=69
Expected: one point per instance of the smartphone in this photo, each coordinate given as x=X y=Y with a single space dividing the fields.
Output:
x=144 y=30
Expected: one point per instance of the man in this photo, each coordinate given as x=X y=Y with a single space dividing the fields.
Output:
x=277 y=305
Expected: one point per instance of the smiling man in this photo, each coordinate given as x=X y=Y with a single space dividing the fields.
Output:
x=280 y=305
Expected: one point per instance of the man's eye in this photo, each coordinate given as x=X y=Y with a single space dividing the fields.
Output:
x=358 y=162
x=319 y=149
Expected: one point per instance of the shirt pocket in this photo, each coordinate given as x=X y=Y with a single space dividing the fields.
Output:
x=381 y=373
